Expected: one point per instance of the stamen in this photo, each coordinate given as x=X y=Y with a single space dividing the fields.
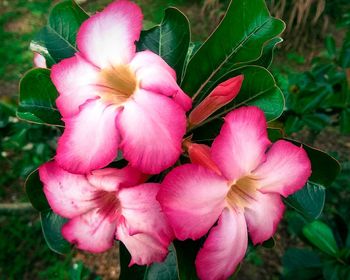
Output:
x=242 y=192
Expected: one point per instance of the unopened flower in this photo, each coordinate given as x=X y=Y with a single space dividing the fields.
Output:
x=114 y=98
x=39 y=60
x=109 y=204
x=242 y=190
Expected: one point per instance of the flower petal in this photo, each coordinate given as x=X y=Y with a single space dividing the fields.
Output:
x=111 y=179
x=92 y=232
x=219 y=97
x=242 y=142
x=74 y=79
x=192 y=197
x=108 y=38
x=69 y=195
x=90 y=139
x=151 y=128
x=263 y=215
x=145 y=216
x=286 y=169
x=224 y=248
x=143 y=248
x=155 y=75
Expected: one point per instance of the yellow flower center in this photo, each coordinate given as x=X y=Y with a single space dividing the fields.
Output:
x=242 y=192
x=117 y=83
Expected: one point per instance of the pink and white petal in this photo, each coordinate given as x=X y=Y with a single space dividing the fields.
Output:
x=146 y=215
x=90 y=139
x=111 y=179
x=263 y=215
x=92 y=232
x=242 y=142
x=151 y=128
x=286 y=169
x=224 y=248
x=143 y=248
x=69 y=195
x=108 y=38
x=192 y=198
x=155 y=75
x=74 y=79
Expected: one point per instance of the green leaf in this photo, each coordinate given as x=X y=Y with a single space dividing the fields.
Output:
x=135 y=272
x=309 y=201
x=186 y=252
x=239 y=38
x=37 y=98
x=51 y=224
x=320 y=235
x=170 y=39
x=316 y=121
x=266 y=57
x=345 y=121
x=331 y=46
x=344 y=59
x=301 y=264
x=166 y=270
x=35 y=193
x=57 y=40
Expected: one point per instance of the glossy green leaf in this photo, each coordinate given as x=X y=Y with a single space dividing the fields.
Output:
x=320 y=235
x=166 y=270
x=266 y=57
x=37 y=98
x=309 y=201
x=186 y=252
x=134 y=272
x=57 y=40
x=239 y=38
x=301 y=264
x=51 y=224
x=170 y=39
x=35 y=193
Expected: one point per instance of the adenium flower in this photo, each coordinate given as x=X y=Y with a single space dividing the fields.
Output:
x=107 y=204
x=238 y=183
x=114 y=98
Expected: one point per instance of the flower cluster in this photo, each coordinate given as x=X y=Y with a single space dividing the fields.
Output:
x=114 y=99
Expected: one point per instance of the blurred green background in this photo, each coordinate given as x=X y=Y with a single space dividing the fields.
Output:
x=308 y=67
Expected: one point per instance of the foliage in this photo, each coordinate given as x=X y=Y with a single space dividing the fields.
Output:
x=319 y=97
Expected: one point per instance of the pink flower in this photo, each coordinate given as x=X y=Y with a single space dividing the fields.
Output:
x=114 y=98
x=106 y=204
x=242 y=190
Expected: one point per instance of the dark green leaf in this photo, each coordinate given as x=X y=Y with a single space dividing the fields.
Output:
x=186 y=252
x=135 y=272
x=330 y=46
x=344 y=59
x=274 y=134
x=35 y=193
x=301 y=264
x=166 y=270
x=320 y=235
x=309 y=201
x=239 y=38
x=51 y=225
x=6 y=111
x=170 y=39
x=37 y=98
x=57 y=40
x=316 y=121
x=345 y=121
